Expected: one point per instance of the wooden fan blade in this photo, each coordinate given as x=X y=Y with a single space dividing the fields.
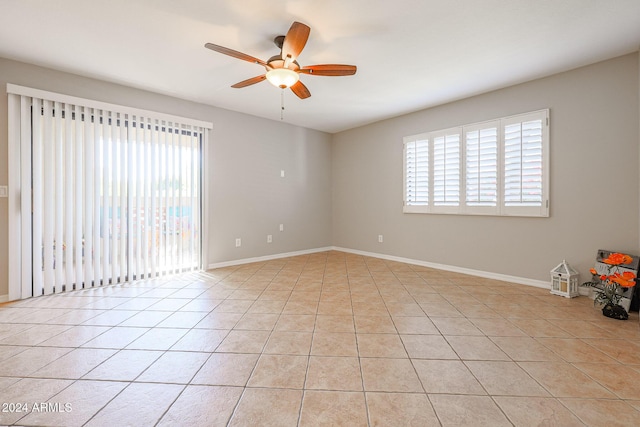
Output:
x=294 y=41
x=329 y=70
x=234 y=53
x=300 y=90
x=249 y=82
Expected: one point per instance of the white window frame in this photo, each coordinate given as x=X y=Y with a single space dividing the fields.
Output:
x=500 y=208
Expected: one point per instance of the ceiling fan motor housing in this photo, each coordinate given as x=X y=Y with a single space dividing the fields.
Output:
x=276 y=61
x=279 y=41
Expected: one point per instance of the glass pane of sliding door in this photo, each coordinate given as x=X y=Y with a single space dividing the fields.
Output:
x=116 y=196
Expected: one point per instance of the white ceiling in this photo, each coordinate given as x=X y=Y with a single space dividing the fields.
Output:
x=410 y=54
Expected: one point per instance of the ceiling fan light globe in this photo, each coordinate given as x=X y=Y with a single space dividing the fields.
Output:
x=282 y=77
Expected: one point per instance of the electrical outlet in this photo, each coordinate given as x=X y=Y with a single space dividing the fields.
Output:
x=282 y=173
x=380 y=238
x=269 y=238
x=238 y=242
x=281 y=227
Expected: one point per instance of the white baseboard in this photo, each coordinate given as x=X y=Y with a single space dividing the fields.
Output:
x=445 y=267
x=4 y=298
x=452 y=268
x=266 y=258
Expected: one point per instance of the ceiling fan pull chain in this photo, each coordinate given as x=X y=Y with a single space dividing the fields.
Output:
x=281 y=104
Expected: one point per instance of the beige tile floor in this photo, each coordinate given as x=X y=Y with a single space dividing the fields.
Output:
x=324 y=339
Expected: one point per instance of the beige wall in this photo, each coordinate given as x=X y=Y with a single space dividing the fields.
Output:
x=345 y=189
x=248 y=198
x=594 y=193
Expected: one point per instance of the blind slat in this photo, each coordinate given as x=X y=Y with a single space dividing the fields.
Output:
x=26 y=157
x=37 y=170
x=107 y=178
x=78 y=206
x=69 y=196
x=98 y=223
x=48 y=213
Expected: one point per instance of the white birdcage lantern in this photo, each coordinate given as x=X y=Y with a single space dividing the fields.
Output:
x=564 y=281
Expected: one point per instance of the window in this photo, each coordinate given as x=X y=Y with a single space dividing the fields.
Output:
x=498 y=167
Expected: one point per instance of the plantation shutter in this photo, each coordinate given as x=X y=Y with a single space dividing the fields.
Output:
x=446 y=168
x=416 y=171
x=481 y=166
x=524 y=163
x=498 y=167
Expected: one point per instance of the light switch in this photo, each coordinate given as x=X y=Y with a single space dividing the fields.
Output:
x=4 y=191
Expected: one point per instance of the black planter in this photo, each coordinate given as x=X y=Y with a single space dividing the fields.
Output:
x=615 y=312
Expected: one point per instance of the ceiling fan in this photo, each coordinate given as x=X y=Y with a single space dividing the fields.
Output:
x=283 y=70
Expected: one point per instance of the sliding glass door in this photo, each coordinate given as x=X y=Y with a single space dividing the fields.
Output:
x=116 y=196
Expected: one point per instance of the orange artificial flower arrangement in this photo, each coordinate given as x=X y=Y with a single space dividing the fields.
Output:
x=608 y=286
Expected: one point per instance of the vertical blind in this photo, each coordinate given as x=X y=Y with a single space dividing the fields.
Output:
x=116 y=195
